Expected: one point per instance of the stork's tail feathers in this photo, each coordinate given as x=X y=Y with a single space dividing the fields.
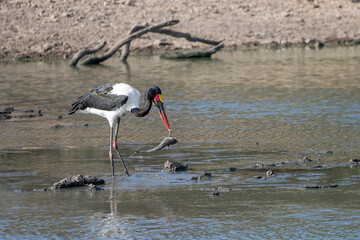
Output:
x=79 y=104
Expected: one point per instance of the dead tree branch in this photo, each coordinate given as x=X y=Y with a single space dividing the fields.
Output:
x=112 y=51
x=126 y=50
x=86 y=51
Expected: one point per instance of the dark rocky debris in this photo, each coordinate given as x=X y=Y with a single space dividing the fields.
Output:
x=78 y=181
x=10 y=112
x=175 y=166
x=319 y=186
x=202 y=176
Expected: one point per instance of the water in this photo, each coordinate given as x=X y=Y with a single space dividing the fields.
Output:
x=233 y=111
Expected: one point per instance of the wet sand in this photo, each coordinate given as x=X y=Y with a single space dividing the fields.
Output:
x=52 y=28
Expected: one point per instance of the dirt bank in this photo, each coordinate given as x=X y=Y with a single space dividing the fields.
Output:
x=38 y=28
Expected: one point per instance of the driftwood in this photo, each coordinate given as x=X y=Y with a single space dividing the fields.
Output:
x=198 y=54
x=139 y=30
x=112 y=51
x=86 y=51
x=126 y=50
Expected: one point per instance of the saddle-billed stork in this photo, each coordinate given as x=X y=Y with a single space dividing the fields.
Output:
x=111 y=101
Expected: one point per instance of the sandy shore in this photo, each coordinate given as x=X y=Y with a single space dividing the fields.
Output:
x=50 y=28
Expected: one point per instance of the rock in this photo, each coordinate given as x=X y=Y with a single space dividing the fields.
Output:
x=5 y=113
x=57 y=126
x=41 y=11
x=214 y=194
x=130 y=2
x=202 y=176
x=175 y=166
x=93 y=187
x=46 y=47
x=223 y=189
x=78 y=180
x=7 y=110
x=305 y=160
x=67 y=14
x=94 y=180
x=259 y=177
x=4 y=116
x=354 y=161
x=270 y=173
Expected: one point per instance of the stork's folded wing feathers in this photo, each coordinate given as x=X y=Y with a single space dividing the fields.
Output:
x=99 y=99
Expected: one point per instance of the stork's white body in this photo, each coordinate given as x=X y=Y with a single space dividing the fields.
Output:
x=133 y=101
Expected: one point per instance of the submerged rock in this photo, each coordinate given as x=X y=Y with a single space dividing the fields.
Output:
x=175 y=166
x=354 y=161
x=259 y=177
x=306 y=160
x=270 y=173
x=202 y=176
x=214 y=194
x=223 y=189
x=77 y=181
x=93 y=187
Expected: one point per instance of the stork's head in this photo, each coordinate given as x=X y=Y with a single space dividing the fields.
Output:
x=153 y=94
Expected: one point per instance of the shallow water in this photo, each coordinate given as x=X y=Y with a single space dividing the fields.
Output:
x=233 y=111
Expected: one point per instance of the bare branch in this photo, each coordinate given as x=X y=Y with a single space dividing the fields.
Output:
x=187 y=36
x=112 y=51
x=86 y=51
x=126 y=50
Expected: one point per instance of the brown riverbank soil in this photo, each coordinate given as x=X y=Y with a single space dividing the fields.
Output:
x=50 y=28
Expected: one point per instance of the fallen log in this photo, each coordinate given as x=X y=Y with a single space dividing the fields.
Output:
x=198 y=54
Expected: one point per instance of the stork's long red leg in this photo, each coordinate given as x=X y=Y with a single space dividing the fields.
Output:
x=115 y=146
x=111 y=155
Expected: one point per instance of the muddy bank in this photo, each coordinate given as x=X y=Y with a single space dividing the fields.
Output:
x=50 y=28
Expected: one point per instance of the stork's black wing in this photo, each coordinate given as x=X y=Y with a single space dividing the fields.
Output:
x=99 y=98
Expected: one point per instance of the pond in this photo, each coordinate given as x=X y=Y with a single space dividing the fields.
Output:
x=294 y=111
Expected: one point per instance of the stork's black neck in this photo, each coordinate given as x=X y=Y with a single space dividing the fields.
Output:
x=142 y=112
x=149 y=97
